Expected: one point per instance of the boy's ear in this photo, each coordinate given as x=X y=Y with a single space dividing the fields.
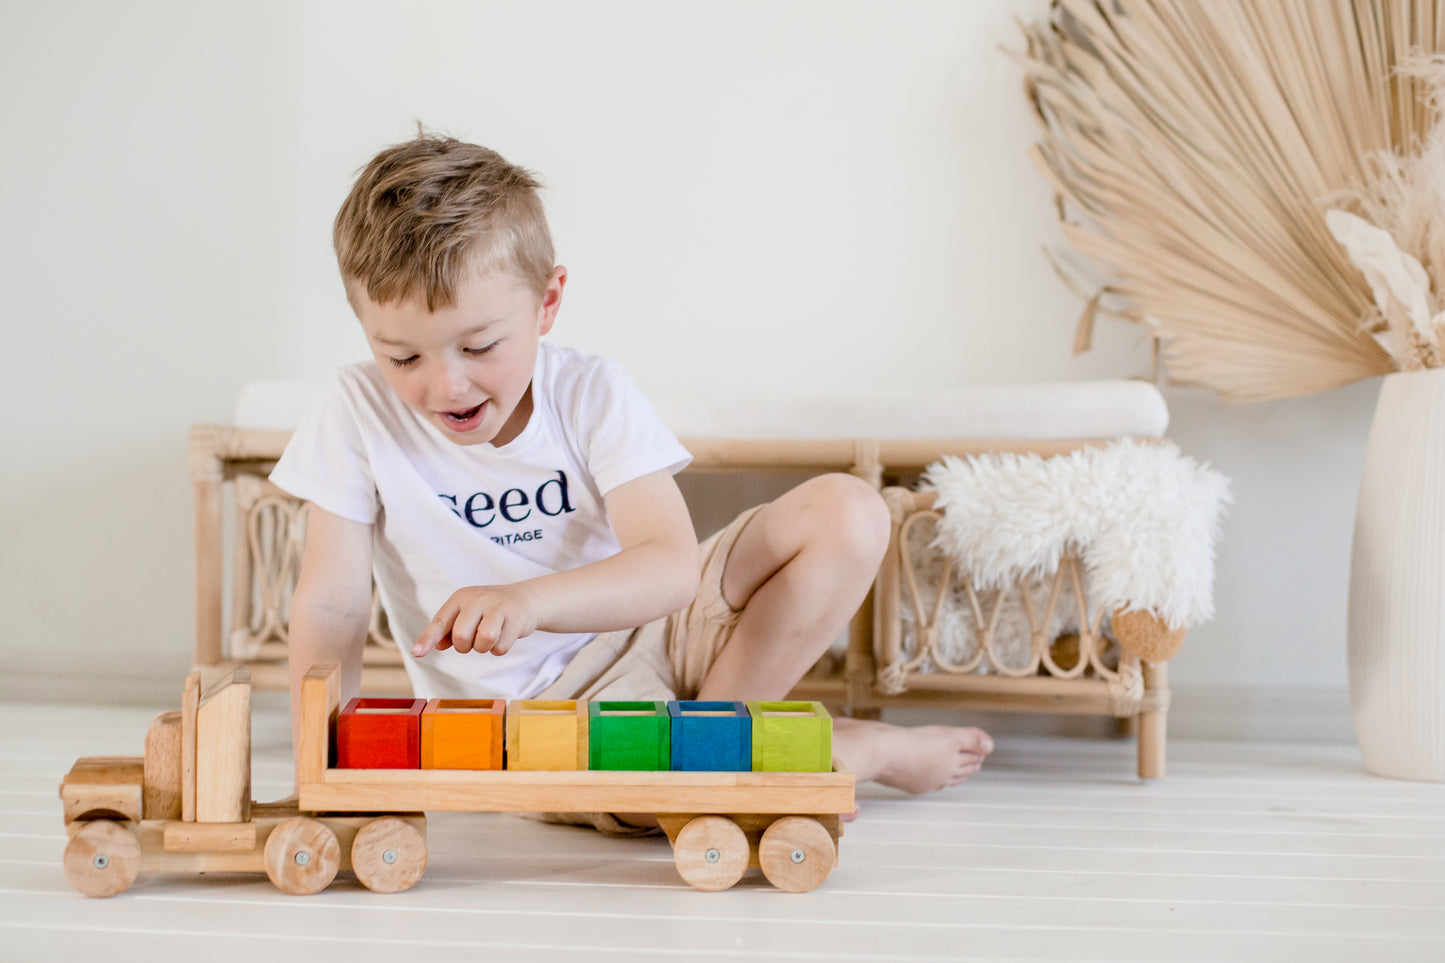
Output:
x=552 y=299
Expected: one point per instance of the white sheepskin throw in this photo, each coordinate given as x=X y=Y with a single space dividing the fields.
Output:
x=1142 y=518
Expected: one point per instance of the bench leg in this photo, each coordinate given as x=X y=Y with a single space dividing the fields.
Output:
x=859 y=666
x=1153 y=721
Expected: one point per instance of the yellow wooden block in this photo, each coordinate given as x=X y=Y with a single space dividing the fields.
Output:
x=546 y=734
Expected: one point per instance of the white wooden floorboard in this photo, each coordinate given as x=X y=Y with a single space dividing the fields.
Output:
x=1055 y=852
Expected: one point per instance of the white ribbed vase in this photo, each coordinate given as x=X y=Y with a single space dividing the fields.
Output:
x=1397 y=583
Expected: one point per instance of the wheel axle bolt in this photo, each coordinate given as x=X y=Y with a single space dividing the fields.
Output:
x=302 y=858
x=389 y=856
x=101 y=861
x=799 y=855
x=712 y=856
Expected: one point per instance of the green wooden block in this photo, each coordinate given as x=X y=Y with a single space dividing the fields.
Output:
x=791 y=737
x=629 y=735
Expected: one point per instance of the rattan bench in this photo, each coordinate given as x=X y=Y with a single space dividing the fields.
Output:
x=888 y=660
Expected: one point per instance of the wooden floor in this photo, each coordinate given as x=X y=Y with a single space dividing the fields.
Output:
x=1245 y=852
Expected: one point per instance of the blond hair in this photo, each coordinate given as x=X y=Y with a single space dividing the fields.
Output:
x=426 y=214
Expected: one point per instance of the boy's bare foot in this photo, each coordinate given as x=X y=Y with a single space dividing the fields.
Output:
x=915 y=759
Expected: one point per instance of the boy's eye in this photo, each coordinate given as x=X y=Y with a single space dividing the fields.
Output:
x=403 y=362
x=482 y=350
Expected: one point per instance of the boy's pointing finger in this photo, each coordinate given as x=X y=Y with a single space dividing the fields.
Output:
x=438 y=632
x=435 y=636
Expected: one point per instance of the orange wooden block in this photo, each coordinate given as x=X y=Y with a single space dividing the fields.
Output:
x=462 y=734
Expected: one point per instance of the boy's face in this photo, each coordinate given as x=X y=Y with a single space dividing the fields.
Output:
x=466 y=369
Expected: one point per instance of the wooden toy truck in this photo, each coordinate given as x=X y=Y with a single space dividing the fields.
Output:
x=185 y=807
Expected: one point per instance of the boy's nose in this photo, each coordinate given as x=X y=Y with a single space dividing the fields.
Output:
x=448 y=382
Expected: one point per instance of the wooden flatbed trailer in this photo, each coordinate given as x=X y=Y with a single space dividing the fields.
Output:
x=128 y=815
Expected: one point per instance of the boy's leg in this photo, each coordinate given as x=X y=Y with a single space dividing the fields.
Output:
x=796 y=574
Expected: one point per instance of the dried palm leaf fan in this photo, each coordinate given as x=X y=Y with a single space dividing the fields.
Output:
x=1194 y=147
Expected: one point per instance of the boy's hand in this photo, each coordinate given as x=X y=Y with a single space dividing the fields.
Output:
x=480 y=618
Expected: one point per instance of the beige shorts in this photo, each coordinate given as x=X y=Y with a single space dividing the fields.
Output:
x=662 y=660
x=665 y=659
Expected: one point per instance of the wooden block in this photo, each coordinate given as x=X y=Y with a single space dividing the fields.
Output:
x=377 y=733
x=791 y=737
x=162 y=791
x=629 y=736
x=711 y=736
x=462 y=734
x=546 y=734
x=320 y=707
x=190 y=702
x=223 y=750
x=182 y=837
x=104 y=785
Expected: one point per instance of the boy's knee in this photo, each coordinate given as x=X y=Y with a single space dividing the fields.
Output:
x=853 y=518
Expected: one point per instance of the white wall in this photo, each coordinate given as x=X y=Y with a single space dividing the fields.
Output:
x=829 y=195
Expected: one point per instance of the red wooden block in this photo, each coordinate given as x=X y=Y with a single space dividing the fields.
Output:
x=379 y=734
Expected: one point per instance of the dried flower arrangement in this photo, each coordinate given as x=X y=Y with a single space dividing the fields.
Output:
x=1397 y=238
x=1194 y=148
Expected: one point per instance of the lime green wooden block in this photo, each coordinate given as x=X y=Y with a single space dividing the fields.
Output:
x=791 y=737
x=629 y=735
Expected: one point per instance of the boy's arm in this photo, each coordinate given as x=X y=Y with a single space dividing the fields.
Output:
x=654 y=575
x=331 y=608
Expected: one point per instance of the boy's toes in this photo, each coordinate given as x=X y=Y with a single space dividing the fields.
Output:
x=963 y=772
x=976 y=741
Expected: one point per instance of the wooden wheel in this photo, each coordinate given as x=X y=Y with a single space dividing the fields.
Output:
x=796 y=853
x=103 y=858
x=302 y=856
x=389 y=855
x=711 y=853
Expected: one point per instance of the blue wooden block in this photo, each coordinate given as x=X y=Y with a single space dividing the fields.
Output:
x=711 y=736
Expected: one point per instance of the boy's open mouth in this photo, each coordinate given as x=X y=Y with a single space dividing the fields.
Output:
x=464 y=420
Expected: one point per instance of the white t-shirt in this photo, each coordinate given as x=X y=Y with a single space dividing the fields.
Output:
x=446 y=516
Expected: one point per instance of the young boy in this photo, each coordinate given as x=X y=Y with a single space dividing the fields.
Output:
x=515 y=499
